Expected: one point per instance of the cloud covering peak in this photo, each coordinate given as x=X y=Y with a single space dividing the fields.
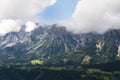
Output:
x=24 y=10
x=30 y=26
x=9 y=25
x=96 y=15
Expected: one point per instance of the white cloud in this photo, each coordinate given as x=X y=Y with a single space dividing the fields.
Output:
x=9 y=25
x=24 y=10
x=30 y=26
x=96 y=15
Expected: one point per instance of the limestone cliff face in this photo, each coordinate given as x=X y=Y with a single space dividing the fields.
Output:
x=99 y=45
x=118 y=55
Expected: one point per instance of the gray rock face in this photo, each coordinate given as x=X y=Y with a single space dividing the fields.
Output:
x=13 y=38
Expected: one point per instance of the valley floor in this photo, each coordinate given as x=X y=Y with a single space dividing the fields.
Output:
x=71 y=72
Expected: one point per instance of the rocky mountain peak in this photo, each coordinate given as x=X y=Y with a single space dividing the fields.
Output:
x=56 y=43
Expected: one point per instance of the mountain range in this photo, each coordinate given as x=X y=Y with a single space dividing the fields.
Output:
x=54 y=44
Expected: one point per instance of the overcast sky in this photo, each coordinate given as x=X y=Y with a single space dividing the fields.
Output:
x=78 y=15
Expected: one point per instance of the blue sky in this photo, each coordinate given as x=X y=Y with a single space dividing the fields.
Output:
x=61 y=10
